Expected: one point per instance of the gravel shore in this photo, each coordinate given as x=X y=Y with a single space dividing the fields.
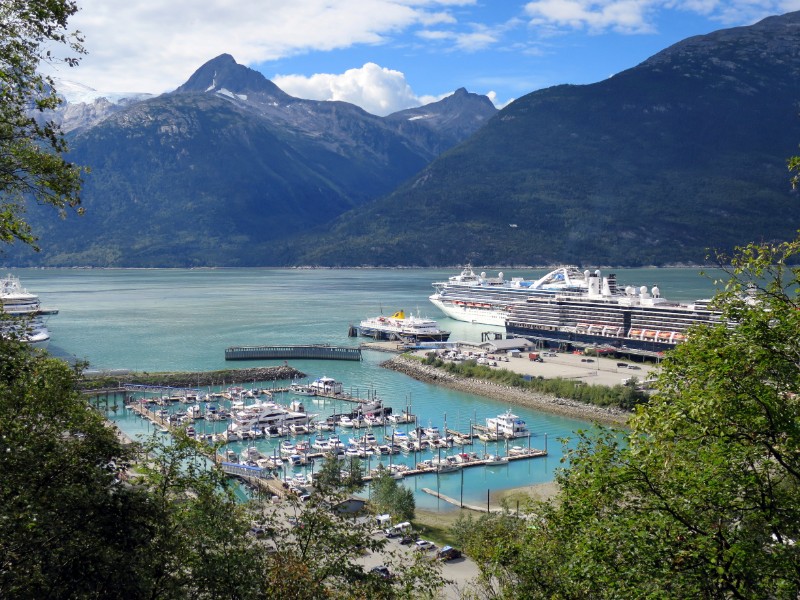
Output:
x=552 y=404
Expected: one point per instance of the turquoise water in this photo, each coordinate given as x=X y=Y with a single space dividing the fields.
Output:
x=160 y=320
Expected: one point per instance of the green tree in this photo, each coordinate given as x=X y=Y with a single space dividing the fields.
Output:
x=335 y=476
x=390 y=497
x=700 y=498
x=68 y=520
x=32 y=166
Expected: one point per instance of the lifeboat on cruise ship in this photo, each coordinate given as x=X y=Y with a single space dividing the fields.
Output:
x=635 y=333
x=664 y=335
x=679 y=337
x=649 y=334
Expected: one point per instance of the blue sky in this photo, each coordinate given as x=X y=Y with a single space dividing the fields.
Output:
x=385 y=55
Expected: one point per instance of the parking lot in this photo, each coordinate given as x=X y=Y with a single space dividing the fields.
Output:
x=459 y=572
x=601 y=370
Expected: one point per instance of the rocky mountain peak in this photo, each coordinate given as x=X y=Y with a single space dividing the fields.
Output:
x=225 y=76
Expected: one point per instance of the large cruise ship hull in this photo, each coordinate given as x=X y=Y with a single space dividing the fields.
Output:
x=633 y=321
x=556 y=338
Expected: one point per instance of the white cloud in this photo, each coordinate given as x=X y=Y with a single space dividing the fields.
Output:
x=625 y=16
x=376 y=89
x=154 y=46
x=641 y=16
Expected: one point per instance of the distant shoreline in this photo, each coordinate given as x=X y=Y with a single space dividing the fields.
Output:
x=357 y=268
x=530 y=399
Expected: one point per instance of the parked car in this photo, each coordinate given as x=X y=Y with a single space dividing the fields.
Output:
x=448 y=553
x=423 y=545
x=382 y=571
x=406 y=540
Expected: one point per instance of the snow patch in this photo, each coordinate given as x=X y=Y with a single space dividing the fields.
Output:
x=77 y=93
x=231 y=95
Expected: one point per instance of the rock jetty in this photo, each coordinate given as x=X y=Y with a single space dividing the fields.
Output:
x=194 y=379
x=530 y=399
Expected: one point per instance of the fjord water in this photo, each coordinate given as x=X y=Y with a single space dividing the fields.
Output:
x=182 y=320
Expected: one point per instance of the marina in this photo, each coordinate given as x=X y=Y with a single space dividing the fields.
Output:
x=269 y=465
x=175 y=320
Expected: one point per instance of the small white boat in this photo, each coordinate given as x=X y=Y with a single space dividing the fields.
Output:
x=400 y=418
x=397 y=437
x=299 y=429
x=325 y=426
x=493 y=460
x=373 y=420
x=302 y=389
x=231 y=435
x=367 y=439
x=321 y=443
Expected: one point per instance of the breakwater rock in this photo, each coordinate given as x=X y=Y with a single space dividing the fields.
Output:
x=513 y=395
x=193 y=379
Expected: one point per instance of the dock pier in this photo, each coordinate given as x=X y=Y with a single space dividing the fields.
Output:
x=313 y=352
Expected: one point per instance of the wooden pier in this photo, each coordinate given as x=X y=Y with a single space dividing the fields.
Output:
x=314 y=352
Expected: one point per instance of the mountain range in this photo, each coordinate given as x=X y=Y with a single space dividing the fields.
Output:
x=656 y=165
x=218 y=170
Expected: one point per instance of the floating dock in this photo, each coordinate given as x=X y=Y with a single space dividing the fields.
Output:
x=314 y=352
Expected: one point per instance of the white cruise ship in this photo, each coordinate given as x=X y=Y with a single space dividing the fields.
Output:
x=632 y=318
x=27 y=320
x=481 y=299
x=402 y=327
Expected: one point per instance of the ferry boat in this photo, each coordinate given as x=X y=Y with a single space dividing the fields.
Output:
x=28 y=315
x=632 y=318
x=403 y=328
x=507 y=425
x=481 y=299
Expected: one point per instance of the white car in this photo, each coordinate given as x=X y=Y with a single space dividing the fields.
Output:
x=423 y=545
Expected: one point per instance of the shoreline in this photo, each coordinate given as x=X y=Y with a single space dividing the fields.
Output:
x=536 y=400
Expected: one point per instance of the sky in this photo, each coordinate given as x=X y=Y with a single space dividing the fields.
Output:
x=388 y=55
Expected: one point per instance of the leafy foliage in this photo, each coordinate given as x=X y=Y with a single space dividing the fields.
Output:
x=66 y=519
x=389 y=497
x=31 y=161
